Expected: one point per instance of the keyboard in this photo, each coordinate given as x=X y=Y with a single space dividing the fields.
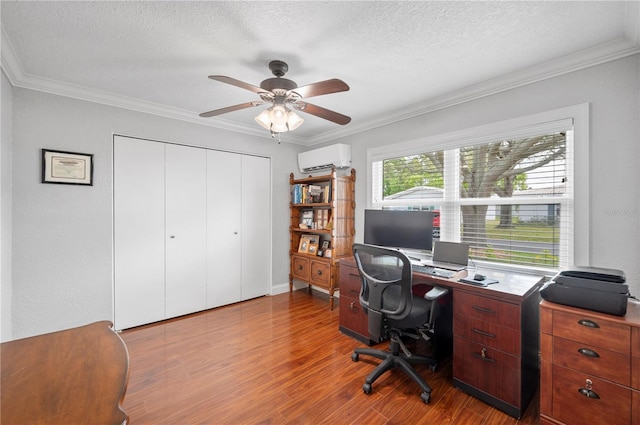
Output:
x=432 y=271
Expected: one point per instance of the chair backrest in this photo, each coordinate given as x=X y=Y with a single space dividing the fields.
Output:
x=385 y=291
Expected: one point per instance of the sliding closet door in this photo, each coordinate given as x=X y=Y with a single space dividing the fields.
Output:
x=256 y=226
x=224 y=228
x=138 y=179
x=185 y=238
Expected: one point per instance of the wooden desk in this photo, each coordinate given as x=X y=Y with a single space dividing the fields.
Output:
x=75 y=376
x=495 y=334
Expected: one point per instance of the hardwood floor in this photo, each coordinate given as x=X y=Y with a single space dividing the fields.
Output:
x=279 y=360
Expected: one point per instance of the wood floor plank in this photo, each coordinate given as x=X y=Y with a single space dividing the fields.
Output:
x=280 y=360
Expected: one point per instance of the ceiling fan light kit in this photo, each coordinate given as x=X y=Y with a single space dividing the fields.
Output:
x=279 y=119
x=279 y=91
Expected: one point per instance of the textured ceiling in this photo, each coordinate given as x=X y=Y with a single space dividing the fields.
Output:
x=399 y=58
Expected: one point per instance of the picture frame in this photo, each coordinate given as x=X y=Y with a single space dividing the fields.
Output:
x=62 y=167
x=313 y=248
x=328 y=253
x=303 y=247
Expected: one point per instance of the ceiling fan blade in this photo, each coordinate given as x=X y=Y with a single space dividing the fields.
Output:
x=322 y=112
x=323 y=87
x=237 y=83
x=231 y=109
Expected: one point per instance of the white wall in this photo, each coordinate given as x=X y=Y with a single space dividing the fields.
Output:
x=6 y=105
x=62 y=234
x=613 y=92
x=62 y=243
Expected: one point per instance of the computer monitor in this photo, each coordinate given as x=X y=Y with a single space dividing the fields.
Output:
x=401 y=229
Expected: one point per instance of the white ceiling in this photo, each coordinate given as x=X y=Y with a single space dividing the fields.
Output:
x=399 y=58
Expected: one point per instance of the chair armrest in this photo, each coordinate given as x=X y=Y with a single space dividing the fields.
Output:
x=435 y=293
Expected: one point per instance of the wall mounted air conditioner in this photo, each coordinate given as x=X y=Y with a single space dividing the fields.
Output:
x=338 y=155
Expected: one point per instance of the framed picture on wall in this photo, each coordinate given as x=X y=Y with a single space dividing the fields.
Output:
x=67 y=167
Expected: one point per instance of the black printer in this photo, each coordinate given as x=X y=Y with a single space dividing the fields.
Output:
x=591 y=288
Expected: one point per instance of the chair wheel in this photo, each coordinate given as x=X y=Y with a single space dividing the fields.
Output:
x=355 y=357
x=366 y=388
x=425 y=397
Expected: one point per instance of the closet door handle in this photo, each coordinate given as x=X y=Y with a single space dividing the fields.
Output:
x=172 y=237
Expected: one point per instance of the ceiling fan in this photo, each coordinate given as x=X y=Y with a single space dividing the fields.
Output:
x=281 y=93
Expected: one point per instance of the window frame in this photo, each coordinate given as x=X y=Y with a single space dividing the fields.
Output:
x=576 y=116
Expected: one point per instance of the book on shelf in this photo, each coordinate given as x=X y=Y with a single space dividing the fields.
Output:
x=310 y=194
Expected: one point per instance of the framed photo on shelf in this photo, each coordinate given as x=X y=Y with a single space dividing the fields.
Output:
x=308 y=244
x=67 y=167
x=323 y=248
x=307 y=218
x=303 y=247
x=328 y=253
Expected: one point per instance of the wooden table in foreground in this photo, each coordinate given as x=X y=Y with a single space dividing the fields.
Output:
x=74 y=376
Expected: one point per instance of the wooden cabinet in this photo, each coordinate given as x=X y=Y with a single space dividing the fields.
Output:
x=495 y=347
x=590 y=366
x=353 y=320
x=327 y=217
x=190 y=229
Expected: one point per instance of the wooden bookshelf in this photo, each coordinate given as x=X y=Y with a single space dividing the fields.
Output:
x=324 y=205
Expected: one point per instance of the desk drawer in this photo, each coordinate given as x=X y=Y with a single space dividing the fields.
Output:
x=489 y=370
x=613 y=406
x=487 y=333
x=592 y=360
x=592 y=331
x=352 y=317
x=487 y=309
x=349 y=282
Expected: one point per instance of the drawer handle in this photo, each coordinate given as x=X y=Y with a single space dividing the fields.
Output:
x=587 y=391
x=319 y=272
x=588 y=323
x=353 y=306
x=589 y=353
x=483 y=333
x=483 y=309
x=299 y=267
x=483 y=355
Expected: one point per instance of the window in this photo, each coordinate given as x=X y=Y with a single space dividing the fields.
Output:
x=507 y=189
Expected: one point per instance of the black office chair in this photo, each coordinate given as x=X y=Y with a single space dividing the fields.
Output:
x=393 y=312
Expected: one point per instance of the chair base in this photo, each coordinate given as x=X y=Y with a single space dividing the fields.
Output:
x=394 y=359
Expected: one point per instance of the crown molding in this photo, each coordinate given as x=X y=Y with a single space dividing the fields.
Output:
x=570 y=63
x=607 y=52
